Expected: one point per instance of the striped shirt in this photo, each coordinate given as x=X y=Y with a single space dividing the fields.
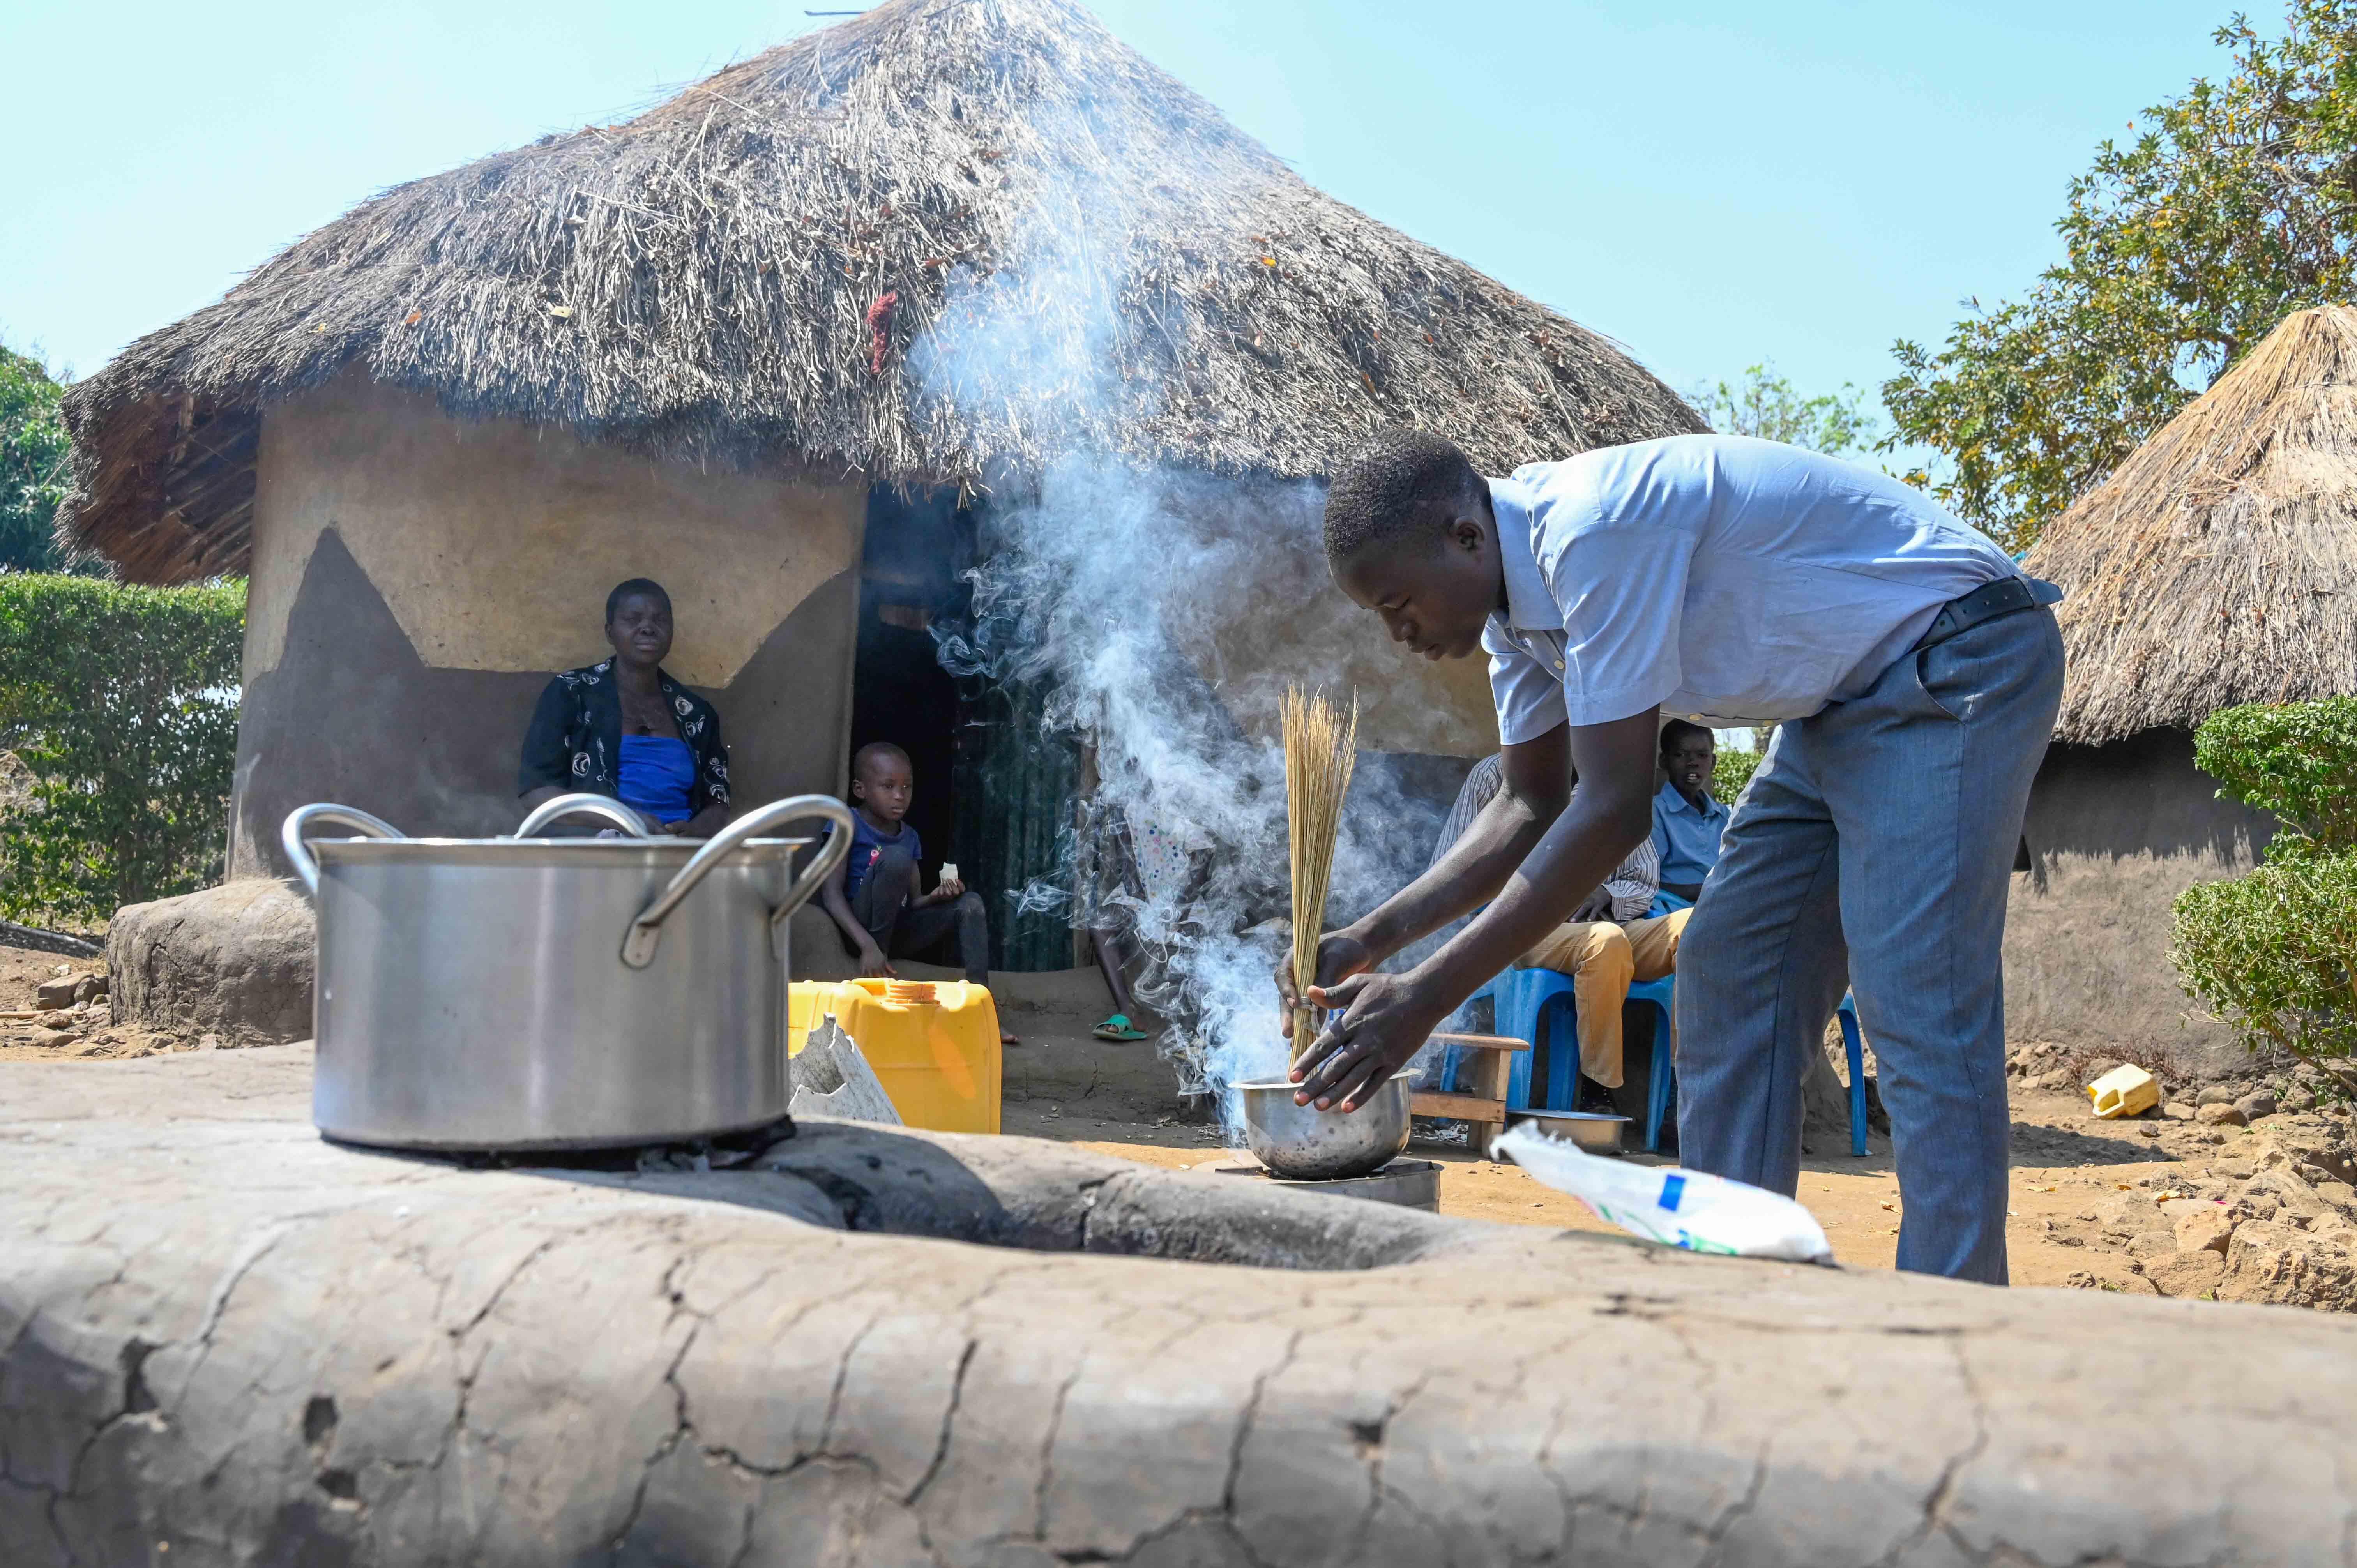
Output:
x=1632 y=886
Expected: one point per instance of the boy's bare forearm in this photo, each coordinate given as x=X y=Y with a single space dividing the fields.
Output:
x=1471 y=873
x=1577 y=853
x=831 y=899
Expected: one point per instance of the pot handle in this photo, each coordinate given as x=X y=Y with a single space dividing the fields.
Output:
x=639 y=941
x=584 y=804
x=290 y=836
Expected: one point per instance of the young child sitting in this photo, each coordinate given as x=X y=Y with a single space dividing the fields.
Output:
x=873 y=893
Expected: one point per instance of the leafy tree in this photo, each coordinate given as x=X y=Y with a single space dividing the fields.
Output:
x=2235 y=205
x=32 y=463
x=1766 y=404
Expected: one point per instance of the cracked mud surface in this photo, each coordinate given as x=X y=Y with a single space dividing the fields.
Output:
x=219 y=1332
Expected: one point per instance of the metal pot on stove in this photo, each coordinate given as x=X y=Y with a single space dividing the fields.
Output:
x=551 y=994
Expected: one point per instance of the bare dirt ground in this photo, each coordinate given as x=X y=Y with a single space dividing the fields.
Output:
x=2083 y=1191
x=2094 y=1204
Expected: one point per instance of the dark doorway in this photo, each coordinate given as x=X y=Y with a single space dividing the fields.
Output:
x=911 y=579
x=995 y=784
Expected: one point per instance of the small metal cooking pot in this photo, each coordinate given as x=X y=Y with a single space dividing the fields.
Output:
x=1310 y=1144
x=549 y=994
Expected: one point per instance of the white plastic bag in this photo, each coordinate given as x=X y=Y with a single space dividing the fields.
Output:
x=1679 y=1209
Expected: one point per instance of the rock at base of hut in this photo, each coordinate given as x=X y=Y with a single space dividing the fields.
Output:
x=2206 y=1230
x=2256 y=1105
x=2191 y=1273
x=2221 y=1115
x=52 y=1038
x=234 y=961
x=833 y=1079
x=2278 y=1265
x=52 y=995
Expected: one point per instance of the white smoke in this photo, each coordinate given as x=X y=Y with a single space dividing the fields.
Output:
x=1157 y=609
x=1115 y=589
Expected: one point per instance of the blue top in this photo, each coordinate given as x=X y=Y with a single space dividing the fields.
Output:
x=867 y=842
x=1733 y=580
x=1687 y=839
x=656 y=772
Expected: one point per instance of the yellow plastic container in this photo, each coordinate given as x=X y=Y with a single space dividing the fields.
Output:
x=933 y=1044
x=2124 y=1091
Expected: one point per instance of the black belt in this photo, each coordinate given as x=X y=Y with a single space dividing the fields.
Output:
x=2005 y=597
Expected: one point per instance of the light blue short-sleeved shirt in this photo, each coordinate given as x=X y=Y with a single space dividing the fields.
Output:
x=1686 y=838
x=1718 y=577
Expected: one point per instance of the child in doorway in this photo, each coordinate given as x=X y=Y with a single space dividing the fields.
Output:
x=872 y=894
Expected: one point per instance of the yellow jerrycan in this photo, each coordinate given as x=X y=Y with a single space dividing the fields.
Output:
x=933 y=1044
x=2124 y=1091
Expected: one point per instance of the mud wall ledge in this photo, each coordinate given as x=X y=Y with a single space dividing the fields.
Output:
x=218 y=1331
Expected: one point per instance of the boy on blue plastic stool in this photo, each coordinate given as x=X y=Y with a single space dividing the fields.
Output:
x=1609 y=942
x=1913 y=674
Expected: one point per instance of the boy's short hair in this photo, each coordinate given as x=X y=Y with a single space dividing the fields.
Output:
x=875 y=749
x=1677 y=730
x=636 y=587
x=1400 y=481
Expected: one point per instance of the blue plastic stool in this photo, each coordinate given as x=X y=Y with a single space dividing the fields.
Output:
x=1853 y=1048
x=1663 y=1074
x=1525 y=998
x=1657 y=1102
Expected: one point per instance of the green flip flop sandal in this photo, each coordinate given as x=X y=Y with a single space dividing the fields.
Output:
x=1118 y=1027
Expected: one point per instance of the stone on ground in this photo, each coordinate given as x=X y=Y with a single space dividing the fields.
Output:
x=234 y=961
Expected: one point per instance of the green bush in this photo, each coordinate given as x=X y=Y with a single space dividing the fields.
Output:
x=2273 y=955
x=2296 y=760
x=1732 y=772
x=122 y=703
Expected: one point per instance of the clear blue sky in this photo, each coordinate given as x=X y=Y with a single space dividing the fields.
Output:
x=1803 y=181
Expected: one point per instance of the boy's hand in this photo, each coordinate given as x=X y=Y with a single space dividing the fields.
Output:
x=1378 y=1022
x=950 y=887
x=1597 y=906
x=873 y=964
x=1339 y=956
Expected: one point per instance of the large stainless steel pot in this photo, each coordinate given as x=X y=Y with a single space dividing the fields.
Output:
x=547 y=994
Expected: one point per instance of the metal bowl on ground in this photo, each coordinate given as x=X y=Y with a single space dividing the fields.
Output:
x=1594 y=1132
x=1305 y=1144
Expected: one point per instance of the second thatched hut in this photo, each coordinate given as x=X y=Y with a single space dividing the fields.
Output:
x=2218 y=565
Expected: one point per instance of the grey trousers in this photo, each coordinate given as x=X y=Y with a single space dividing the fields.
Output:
x=1873 y=849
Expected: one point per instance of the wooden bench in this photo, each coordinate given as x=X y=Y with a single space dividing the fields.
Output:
x=1484 y=1111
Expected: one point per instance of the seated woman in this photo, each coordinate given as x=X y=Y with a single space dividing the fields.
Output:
x=622 y=727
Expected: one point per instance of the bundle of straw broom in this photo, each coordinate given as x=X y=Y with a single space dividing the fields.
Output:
x=1320 y=749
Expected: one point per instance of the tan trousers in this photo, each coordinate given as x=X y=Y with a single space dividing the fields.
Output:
x=1604 y=960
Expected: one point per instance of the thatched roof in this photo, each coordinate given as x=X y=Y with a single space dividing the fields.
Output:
x=2218 y=564
x=1084 y=255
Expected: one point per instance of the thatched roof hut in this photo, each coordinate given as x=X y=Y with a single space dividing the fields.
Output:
x=2217 y=565
x=763 y=342
x=704 y=280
